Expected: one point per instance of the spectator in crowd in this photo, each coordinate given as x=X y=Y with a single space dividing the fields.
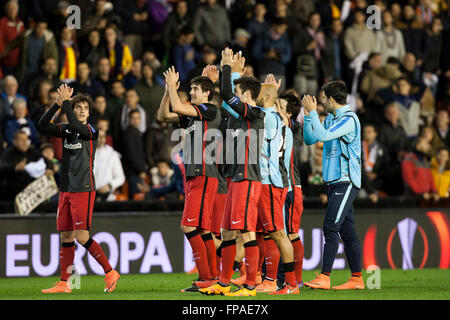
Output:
x=302 y=9
x=84 y=83
x=376 y=159
x=122 y=118
x=177 y=19
x=99 y=109
x=433 y=55
x=334 y=62
x=49 y=71
x=104 y=74
x=134 y=23
x=108 y=171
x=414 y=35
x=53 y=164
x=416 y=172
x=184 y=55
x=206 y=21
x=430 y=135
x=425 y=12
x=393 y=137
x=10 y=87
x=20 y=121
x=410 y=69
x=442 y=127
x=161 y=174
x=440 y=169
x=175 y=189
x=293 y=23
x=358 y=38
x=101 y=15
x=272 y=51
x=93 y=50
x=35 y=45
x=150 y=92
x=103 y=124
x=134 y=75
x=41 y=101
x=308 y=46
x=157 y=141
x=68 y=56
x=258 y=24
x=14 y=177
x=379 y=78
x=134 y=161
x=119 y=54
x=240 y=43
x=45 y=102
x=116 y=99
x=209 y=56
x=389 y=39
x=408 y=106
x=11 y=26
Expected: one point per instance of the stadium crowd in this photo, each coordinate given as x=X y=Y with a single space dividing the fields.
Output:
x=398 y=74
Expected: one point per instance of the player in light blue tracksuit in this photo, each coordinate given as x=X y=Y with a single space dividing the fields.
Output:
x=341 y=135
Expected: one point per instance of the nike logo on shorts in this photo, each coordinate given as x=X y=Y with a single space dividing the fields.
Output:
x=78 y=223
x=234 y=222
x=189 y=220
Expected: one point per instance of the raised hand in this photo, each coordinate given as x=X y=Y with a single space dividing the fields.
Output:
x=211 y=72
x=270 y=79
x=64 y=93
x=309 y=103
x=172 y=77
x=227 y=57
x=238 y=64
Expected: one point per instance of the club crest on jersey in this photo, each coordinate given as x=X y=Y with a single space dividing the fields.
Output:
x=71 y=142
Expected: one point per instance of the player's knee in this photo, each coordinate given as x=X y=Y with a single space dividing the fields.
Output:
x=67 y=236
x=82 y=238
x=278 y=235
x=187 y=229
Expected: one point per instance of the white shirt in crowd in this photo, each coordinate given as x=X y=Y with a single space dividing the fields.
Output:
x=108 y=169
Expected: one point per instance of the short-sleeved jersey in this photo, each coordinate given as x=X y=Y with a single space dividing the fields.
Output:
x=200 y=141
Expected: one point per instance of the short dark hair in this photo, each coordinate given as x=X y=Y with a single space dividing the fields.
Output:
x=205 y=84
x=336 y=90
x=133 y=112
x=293 y=104
x=187 y=29
x=81 y=97
x=249 y=83
x=17 y=132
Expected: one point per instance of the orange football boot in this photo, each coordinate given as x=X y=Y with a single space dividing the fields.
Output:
x=267 y=286
x=111 y=279
x=322 y=281
x=352 y=283
x=60 y=287
x=287 y=290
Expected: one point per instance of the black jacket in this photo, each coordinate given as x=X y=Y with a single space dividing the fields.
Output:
x=12 y=182
x=134 y=161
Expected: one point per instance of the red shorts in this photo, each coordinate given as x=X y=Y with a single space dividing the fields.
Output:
x=217 y=212
x=241 y=206
x=75 y=210
x=198 y=202
x=270 y=208
x=294 y=209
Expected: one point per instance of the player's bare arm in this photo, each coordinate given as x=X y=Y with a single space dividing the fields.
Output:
x=164 y=114
x=172 y=79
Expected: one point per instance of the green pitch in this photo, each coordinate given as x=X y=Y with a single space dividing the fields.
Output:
x=395 y=285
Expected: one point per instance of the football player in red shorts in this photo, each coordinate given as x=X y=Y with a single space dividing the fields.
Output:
x=289 y=107
x=240 y=213
x=77 y=189
x=201 y=172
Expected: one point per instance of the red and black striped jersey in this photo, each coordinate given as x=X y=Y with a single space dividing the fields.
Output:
x=200 y=141
x=245 y=135
x=79 y=144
